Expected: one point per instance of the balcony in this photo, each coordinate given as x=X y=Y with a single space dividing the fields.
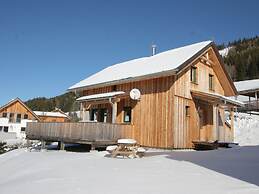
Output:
x=94 y=133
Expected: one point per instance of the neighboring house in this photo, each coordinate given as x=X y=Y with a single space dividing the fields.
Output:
x=248 y=91
x=55 y=116
x=166 y=101
x=14 y=117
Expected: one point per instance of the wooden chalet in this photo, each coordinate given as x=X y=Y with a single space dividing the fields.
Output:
x=248 y=91
x=166 y=100
x=14 y=116
x=54 y=116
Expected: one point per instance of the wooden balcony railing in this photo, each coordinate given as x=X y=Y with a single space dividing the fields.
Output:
x=85 y=132
x=252 y=105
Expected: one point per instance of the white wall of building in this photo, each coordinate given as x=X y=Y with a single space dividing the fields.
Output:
x=14 y=127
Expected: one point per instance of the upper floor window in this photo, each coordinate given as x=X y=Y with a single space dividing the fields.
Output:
x=127 y=115
x=18 y=118
x=11 y=118
x=194 y=74
x=23 y=129
x=211 y=82
x=187 y=111
x=114 y=88
x=25 y=116
x=4 y=114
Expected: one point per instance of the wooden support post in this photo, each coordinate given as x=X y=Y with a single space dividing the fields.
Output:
x=215 y=123
x=81 y=112
x=93 y=146
x=62 y=145
x=232 y=124
x=43 y=144
x=256 y=98
x=114 y=112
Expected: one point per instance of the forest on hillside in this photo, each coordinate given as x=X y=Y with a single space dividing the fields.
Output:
x=242 y=63
x=242 y=60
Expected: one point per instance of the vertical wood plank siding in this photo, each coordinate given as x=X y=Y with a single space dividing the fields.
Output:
x=77 y=132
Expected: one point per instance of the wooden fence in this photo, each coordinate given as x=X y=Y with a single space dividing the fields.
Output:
x=85 y=132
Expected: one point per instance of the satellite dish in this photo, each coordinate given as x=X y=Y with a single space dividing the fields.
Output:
x=135 y=94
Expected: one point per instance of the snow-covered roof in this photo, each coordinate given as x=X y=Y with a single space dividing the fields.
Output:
x=147 y=66
x=247 y=85
x=50 y=114
x=242 y=98
x=100 y=96
x=223 y=98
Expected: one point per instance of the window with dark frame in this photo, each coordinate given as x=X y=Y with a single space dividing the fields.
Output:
x=18 y=118
x=127 y=114
x=1 y=128
x=187 y=111
x=23 y=129
x=193 y=74
x=11 y=118
x=93 y=114
x=114 y=88
x=25 y=116
x=211 y=82
x=4 y=114
x=6 y=129
x=103 y=115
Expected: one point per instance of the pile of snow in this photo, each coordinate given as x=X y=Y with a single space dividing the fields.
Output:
x=246 y=129
x=57 y=172
x=224 y=52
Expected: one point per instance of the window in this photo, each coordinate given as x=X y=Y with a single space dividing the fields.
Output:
x=11 y=118
x=4 y=114
x=5 y=129
x=1 y=128
x=23 y=129
x=211 y=82
x=127 y=114
x=18 y=118
x=114 y=88
x=25 y=116
x=93 y=115
x=187 y=111
x=194 y=74
x=103 y=115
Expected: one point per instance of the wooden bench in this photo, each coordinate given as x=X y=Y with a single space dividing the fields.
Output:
x=205 y=145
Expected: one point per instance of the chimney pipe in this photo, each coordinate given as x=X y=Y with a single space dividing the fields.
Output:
x=153 y=46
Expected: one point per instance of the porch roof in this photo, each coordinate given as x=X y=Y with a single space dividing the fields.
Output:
x=101 y=96
x=207 y=96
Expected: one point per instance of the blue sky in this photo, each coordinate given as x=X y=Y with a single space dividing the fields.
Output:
x=46 y=46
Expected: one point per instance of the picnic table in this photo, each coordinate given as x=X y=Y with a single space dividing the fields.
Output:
x=126 y=148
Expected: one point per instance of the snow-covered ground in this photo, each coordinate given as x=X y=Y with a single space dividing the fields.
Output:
x=231 y=171
x=246 y=129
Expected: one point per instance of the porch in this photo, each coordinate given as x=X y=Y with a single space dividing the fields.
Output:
x=93 y=133
x=215 y=116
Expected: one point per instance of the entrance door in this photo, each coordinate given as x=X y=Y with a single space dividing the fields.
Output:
x=202 y=122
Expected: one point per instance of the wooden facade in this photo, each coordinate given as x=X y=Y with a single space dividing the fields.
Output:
x=15 y=107
x=175 y=107
x=58 y=119
x=159 y=118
